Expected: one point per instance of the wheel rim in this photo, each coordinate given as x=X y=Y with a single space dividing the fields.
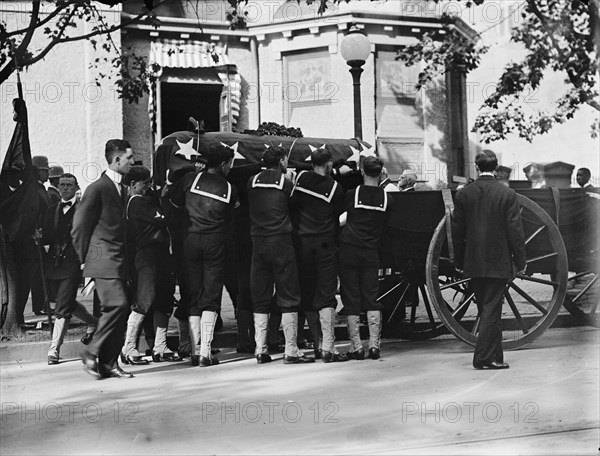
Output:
x=531 y=301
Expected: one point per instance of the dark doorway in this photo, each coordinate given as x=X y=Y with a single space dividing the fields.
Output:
x=179 y=101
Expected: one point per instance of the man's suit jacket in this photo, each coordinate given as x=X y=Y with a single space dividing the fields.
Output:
x=62 y=261
x=99 y=231
x=487 y=230
x=54 y=195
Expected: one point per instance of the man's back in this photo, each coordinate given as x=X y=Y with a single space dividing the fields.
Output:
x=487 y=229
x=268 y=195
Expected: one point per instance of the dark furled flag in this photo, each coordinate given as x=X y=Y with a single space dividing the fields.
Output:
x=19 y=201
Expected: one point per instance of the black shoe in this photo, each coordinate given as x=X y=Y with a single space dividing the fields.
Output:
x=205 y=362
x=214 y=351
x=116 y=372
x=358 y=354
x=297 y=360
x=90 y=364
x=134 y=360
x=52 y=360
x=195 y=359
x=245 y=349
x=329 y=357
x=85 y=340
x=318 y=353
x=374 y=353
x=276 y=348
x=305 y=344
x=168 y=357
x=263 y=358
x=492 y=365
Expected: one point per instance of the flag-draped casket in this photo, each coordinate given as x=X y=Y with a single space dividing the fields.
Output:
x=174 y=154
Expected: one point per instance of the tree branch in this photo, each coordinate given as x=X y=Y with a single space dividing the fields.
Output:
x=44 y=21
x=106 y=31
x=54 y=41
x=594 y=104
x=20 y=51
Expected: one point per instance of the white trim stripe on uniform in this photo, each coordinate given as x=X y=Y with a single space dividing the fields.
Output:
x=358 y=204
x=224 y=199
x=278 y=186
x=315 y=194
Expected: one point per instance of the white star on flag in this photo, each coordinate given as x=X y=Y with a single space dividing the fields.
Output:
x=236 y=154
x=355 y=157
x=370 y=152
x=312 y=149
x=186 y=149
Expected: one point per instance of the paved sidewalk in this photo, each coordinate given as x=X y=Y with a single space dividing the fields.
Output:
x=34 y=346
x=419 y=398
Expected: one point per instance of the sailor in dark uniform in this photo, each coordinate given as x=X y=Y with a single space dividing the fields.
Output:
x=273 y=256
x=63 y=270
x=318 y=201
x=367 y=209
x=209 y=201
x=148 y=247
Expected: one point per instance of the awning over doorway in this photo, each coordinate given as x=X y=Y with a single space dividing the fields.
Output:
x=196 y=54
x=187 y=54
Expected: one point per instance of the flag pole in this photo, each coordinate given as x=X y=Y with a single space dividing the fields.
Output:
x=37 y=241
x=19 y=85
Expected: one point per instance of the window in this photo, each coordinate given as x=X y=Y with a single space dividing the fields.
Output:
x=399 y=114
x=308 y=92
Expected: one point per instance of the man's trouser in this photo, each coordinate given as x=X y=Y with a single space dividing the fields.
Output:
x=489 y=296
x=108 y=339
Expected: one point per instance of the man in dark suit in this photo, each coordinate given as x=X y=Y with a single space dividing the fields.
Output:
x=54 y=176
x=99 y=239
x=490 y=248
x=63 y=270
x=28 y=267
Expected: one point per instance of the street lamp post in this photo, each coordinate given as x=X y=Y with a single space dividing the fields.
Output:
x=355 y=49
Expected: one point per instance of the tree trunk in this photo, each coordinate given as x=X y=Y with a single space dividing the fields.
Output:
x=8 y=289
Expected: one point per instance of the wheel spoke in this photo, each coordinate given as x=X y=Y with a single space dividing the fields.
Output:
x=390 y=290
x=586 y=288
x=534 y=234
x=513 y=306
x=529 y=299
x=454 y=284
x=542 y=257
x=399 y=302
x=476 y=325
x=427 y=307
x=463 y=307
x=536 y=280
x=581 y=274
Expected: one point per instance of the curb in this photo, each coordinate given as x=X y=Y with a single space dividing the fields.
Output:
x=72 y=347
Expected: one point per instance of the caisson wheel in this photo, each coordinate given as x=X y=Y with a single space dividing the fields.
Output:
x=532 y=300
